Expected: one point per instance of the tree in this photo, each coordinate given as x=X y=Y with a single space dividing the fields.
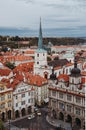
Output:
x=48 y=58
x=10 y=65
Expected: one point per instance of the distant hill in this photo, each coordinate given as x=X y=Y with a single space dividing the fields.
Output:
x=33 y=41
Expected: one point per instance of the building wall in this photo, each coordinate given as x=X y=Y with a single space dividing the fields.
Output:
x=6 y=102
x=23 y=98
x=41 y=93
x=68 y=100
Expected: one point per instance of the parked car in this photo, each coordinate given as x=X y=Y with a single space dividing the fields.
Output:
x=38 y=113
x=31 y=116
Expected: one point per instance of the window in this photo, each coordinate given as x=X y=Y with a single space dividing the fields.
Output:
x=78 y=111
x=69 y=108
x=72 y=88
x=31 y=93
x=2 y=106
x=37 y=62
x=9 y=104
x=61 y=106
x=37 y=55
x=69 y=97
x=18 y=90
x=66 y=71
x=54 y=93
x=23 y=103
x=16 y=104
x=23 y=95
x=78 y=100
x=28 y=100
x=9 y=96
x=72 y=80
x=59 y=72
x=2 y=98
x=43 y=54
x=60 y=95
x=70 y=69
x=22 y=90
x=32 y=100
x=16 y=97
x=1 y=88
x=28 y=93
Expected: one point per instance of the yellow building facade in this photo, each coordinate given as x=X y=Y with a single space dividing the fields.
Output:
x=6 y=104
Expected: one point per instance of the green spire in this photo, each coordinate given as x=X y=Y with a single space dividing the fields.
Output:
x=40 y=36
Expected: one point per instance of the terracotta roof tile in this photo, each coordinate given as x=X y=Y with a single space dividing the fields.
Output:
x=4 y=72
x=25 y=67
x=63 y=76
x=36 y=80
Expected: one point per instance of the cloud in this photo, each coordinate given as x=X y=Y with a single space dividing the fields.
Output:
x=55 y=13
x=27 y=1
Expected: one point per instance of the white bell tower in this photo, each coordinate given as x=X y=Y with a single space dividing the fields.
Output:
x=40 y=54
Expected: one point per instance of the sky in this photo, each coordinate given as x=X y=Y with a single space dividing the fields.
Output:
x=55 y=14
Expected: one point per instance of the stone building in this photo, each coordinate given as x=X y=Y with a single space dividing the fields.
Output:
x=67 y=98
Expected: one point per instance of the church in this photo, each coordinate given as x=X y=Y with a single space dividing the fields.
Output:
x=44 y=68
x=67 y=98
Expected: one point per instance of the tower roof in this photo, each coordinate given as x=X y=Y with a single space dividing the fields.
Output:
x=75 y=71
x=40 y=36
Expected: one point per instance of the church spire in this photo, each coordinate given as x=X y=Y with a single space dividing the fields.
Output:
x=40 y=36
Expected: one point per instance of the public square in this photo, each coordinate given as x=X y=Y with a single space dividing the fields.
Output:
x=37 y=123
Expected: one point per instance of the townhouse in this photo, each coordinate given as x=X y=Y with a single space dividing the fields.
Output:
x=6 y=100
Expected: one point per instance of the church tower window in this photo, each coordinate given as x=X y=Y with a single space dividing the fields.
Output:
x=37 y=62
x=37 y=55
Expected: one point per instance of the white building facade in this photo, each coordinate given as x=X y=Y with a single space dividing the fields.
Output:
x=23 y=100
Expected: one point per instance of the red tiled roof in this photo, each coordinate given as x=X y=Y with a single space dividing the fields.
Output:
x=15 y=58
x=15 y=83
x=63 y=76
x=36 y=80
x=7 y=81
x=4 y=72
x=25 y=67
x=29 y=52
